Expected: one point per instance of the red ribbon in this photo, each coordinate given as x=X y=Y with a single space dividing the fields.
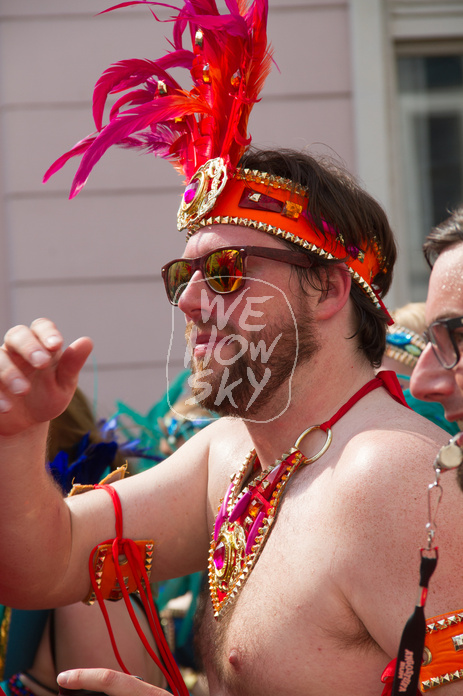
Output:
x=129 y=549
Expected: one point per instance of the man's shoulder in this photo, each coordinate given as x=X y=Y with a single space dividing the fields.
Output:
x=226 y=427
x=396 y=435
x=409 y=424
x=392 y=423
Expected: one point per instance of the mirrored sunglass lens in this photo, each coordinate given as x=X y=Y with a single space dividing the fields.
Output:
x=442 y=343
x=178 y=277
x=224 y=270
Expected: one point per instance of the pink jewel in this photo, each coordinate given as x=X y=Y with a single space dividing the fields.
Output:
x=190 y=191
x=352 y=251
x=240 y=506
x=219 y=556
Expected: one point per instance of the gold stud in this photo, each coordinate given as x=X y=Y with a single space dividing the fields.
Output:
x=162 y=87
x=199 y=38
x=206 y=74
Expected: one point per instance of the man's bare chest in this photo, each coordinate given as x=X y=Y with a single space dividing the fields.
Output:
x=290 y=621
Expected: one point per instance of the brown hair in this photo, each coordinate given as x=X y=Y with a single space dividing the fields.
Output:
x=443 y=236
x=336 y=198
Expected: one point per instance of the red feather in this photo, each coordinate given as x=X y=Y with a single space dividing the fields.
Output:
x=228 y=63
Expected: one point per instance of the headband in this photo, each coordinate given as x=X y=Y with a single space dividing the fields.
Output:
x=272 y=204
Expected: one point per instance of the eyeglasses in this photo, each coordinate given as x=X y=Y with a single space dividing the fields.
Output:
x=446 y=340
x=223 y=269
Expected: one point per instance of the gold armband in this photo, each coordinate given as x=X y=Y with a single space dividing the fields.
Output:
x=443 y=651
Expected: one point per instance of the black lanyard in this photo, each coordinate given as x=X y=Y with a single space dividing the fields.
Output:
x=410 y=655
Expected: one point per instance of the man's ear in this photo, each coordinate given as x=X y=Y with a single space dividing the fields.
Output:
x=336 y=284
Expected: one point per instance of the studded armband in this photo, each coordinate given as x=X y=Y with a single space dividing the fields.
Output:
x=118 y=566
x=443 y=651
x=105 y=575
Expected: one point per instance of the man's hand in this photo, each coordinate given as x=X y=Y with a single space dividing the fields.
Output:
x=107 y=681
x=37 y=377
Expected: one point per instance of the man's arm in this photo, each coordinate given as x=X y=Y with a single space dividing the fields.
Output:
x=46 y=542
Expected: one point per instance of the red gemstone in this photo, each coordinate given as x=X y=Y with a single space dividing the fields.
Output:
x=273 y=475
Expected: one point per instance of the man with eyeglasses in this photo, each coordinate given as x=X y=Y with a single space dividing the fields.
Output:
x=438 y=376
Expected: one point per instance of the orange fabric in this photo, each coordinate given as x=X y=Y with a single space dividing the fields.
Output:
x=443 y=659
x=105 y=571
x=227 y=204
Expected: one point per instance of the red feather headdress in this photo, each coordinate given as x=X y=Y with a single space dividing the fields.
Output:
x=203 y=131
x=228 y=63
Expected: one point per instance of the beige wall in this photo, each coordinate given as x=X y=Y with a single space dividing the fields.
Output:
x=92 y=264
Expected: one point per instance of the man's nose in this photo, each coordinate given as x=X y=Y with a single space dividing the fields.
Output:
x=429 y=380
x=190 y=299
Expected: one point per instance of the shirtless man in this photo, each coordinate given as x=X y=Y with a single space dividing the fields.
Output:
x=286 y=264
x=322 y=610
x=438 y=375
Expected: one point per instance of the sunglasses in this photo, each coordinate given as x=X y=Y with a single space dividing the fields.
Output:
x=446 y=339
x=223 y=269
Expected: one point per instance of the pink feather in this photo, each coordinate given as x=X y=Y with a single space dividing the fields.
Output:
x=228 y=67
x=78 y=149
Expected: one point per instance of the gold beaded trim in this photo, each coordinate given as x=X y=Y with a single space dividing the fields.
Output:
x=448 y=678
x=401 y=356
x=400 y=353
x=444 y=623
x=278 y=182
x=283 y=234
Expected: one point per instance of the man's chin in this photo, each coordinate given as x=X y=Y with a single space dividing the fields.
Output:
x=208 y=393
